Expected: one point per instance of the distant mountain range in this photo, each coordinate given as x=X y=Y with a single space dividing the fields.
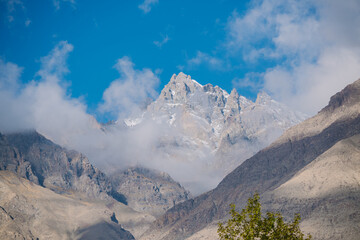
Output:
x=312 y=169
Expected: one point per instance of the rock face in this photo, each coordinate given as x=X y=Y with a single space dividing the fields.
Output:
x=313 y=169
x=207 y=125
x=37 y=159
x=148 y=190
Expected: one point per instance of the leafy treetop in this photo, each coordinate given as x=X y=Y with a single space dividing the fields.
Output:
x=250 y=225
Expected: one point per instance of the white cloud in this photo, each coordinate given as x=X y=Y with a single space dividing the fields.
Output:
x=43 y=105
x=54 y=66
x=248 y=82
x=12 y=7
x=13 y=4
x=9 y=75
x=206 y=59
x=164 y=40
x=147 y=5
x=313 y=42
x=27 y=22
x=124 y=95
x=57 y=3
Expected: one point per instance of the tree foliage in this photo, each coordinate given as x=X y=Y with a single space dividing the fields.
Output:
x=250 y=225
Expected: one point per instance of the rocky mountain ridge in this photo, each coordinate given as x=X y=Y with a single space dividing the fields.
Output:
x=148 y=190
x=37 y=159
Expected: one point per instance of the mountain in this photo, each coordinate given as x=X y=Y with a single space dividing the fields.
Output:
x=63 y=186
x=211 y=129
x=313 y=169
x=148 y=190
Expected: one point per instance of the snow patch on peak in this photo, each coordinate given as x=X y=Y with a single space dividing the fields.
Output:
x=225 y=93
x=196 y=82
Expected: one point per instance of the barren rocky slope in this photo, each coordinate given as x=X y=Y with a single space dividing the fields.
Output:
x=148 y=190
x=330 y=186
x=279 y=166
x=29 y=211
x=39 y=160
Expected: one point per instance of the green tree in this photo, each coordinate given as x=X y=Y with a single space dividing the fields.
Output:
x=250 y=225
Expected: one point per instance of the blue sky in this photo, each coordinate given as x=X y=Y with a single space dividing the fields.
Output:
x=163 y=39
x=300 y=52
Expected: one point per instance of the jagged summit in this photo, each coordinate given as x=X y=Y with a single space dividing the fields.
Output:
x=182 y=77
x=182 y=88
x=179 y=88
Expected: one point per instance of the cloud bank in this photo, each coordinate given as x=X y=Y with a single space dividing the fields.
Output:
x=314 y=43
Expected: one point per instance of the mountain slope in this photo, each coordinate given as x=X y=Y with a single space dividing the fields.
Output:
x=330 y=186
x=269 y=169
x=148 y=190
x=29 y=211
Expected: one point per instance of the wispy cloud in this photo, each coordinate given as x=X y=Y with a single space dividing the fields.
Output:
x=53 y=66
x=126 y=94
x=27 y=22
x=312 y=42
x=251 y=82
x=42 y=104
x=12 y=6
x=202 y=58
x=147 y=5
x=57 y=3
x=164 y=40
x=9 y=75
